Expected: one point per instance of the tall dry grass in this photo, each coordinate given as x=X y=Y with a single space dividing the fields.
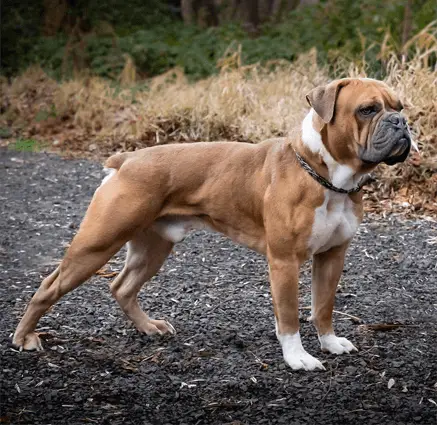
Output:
x=240 y=103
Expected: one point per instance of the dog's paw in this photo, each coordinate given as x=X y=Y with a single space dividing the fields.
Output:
x=335 y=345
x=157 y=327
x=30 y=342
x=295 y=355
x=301 y=360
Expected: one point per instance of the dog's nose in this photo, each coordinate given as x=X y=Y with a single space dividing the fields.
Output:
x=398 y=120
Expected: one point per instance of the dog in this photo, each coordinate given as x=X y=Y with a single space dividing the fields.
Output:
x=289 y=199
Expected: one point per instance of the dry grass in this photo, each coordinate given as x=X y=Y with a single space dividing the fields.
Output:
x=241 y=103
x=416 y=83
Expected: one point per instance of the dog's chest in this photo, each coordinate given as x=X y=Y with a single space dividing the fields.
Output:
x=334 y=223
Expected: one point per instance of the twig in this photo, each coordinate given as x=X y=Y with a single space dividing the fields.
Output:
x=353 y=318
x=382 y=327
x=156 y=353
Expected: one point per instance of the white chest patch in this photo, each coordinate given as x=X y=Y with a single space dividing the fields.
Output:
x=341 y=175
x=334 y=223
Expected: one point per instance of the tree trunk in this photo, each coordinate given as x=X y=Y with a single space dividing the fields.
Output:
x=407 y=24
x=54 y=15
x=265 y=9
x=212 y=17
x=253 y=13
x=201 y=12
x=187 y=11
x=235 y=9
x=281 y=7
x=276 y=8
x=292 y=4
x=308 y=2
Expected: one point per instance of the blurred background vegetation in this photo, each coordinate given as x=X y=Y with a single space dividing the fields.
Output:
x=71 y=37
x=96 y=77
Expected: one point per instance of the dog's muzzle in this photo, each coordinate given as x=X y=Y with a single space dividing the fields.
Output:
x=391 y=141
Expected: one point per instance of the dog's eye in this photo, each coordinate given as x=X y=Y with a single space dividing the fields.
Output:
x=368 y=110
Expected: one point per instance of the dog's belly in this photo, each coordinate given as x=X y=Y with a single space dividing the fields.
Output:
x=175 y=228
x=334 y=223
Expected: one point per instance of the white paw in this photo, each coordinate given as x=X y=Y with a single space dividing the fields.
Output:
x=335 y=345
x=295 y=355
x=298 y=360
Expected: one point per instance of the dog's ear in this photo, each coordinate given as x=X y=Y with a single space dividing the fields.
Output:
x=322 y=99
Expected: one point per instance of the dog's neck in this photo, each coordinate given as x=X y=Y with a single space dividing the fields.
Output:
x=316 y=154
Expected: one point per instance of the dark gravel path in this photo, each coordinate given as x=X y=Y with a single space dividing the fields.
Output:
x=224 y=366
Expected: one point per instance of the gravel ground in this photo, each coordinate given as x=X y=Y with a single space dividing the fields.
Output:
x=224 y=366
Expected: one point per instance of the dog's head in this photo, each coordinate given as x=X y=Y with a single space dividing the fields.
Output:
x=360 y=122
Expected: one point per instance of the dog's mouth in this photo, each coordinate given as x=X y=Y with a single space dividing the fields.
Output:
x=400 y=153
x=390 y=144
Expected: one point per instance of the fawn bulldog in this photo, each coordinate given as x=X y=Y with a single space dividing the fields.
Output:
x=289 y=199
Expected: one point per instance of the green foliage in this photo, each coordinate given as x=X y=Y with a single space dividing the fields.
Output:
x=45 y=114
x=19 y=32
x=26 y=145
x=49 y=53
x=349 y=29
x=154 y=51
x=5 y=132
x=128 y=16
x=157 y=40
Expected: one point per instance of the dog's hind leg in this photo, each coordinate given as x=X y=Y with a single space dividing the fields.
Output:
x=80 y=263
x=146 y=253
x=108 y=224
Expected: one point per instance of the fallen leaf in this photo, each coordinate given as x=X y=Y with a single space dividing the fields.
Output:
x=104 y=273
x=128 y=366
x=391 y=382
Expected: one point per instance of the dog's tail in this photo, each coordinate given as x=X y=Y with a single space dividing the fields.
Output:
x=117 y=160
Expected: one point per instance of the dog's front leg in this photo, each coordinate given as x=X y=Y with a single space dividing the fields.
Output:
x=284 y=280
x=327 y=269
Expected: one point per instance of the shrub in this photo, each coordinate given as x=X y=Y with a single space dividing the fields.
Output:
x=340 y=30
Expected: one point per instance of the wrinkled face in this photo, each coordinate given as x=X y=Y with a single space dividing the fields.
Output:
x=365 y=126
